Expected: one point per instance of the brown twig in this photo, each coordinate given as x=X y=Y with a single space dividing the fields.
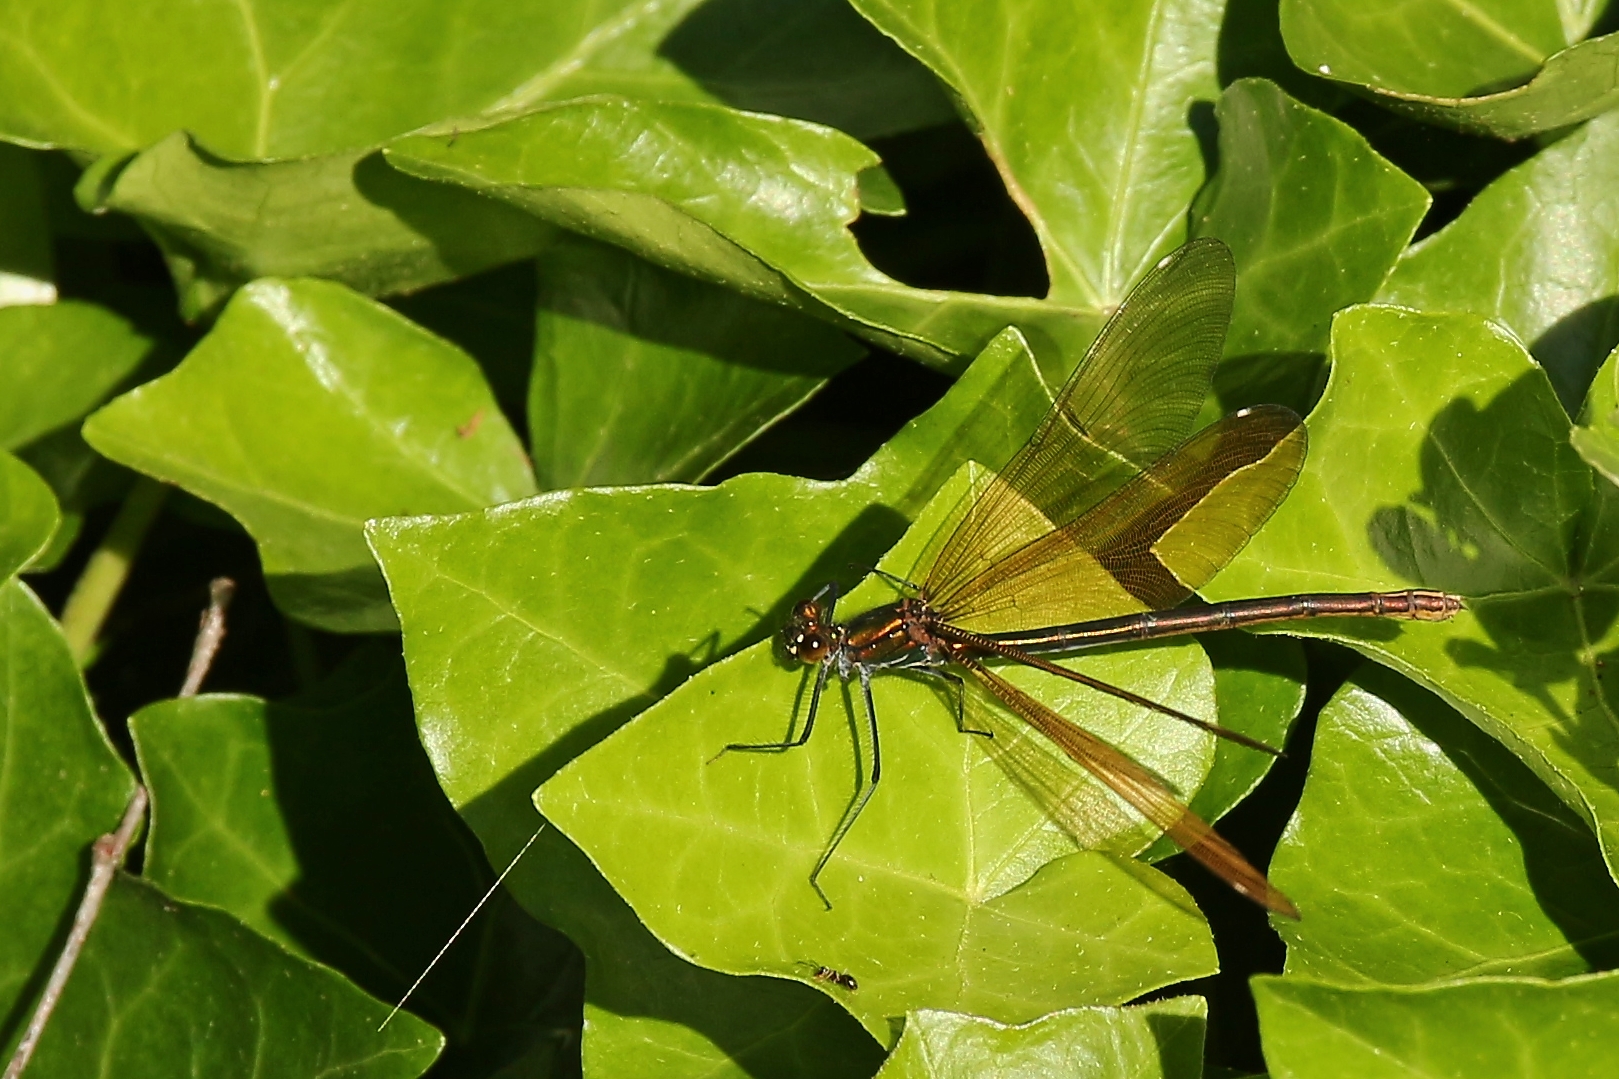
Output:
x=210 y=634
x=108 y=852
x=106 y=856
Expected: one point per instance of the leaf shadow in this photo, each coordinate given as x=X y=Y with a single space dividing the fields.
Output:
x=1561 y=857
x=1538 y=620
x=1572 y=348
x=386 y=870
x=630 y=973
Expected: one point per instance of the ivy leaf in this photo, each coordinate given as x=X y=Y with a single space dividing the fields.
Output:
x=346 y=217
x=1423 y=850
x=307 y=410
x=1440 y=457
x=66 y=786
x=1315 y=219
x=688 y=200
x=317 y=822
x=60 y=361
x=1159 y=1040
x=1516 y=1028
x=1538 y=252
x=1509 y=71
x=28 y=515
x=952 y=889
x=160 y=981
x=643 y=375
x=564 y=599
x=1106 y=200
x=1596 y=438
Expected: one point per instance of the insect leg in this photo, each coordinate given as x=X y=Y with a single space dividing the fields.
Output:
x=803 y=736
x=863 y=793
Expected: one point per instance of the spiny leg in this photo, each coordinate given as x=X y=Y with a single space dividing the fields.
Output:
x=803 y=736
x=960 y=685
x=863 y=793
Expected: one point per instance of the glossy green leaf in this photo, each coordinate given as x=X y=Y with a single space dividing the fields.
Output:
x=1085 y=110
x=1423 y=850
x=1538 y=252
x=532 y=631
x=952 y=890
x=642 y=375
x=566 y=164
x=1508 y=68
x=161 y=981
x=27 y=267
x=1514 y=1028
x=1107 y=199
x=1159 y=1040
x=306 y=411
x=1315 y=219
x=1597 y=437
x=65 y=787
x=1440 y=457
x=1259 y=685
x=317 y=822
x=345 y=217
x=59 y=361
x=259 y=81
x=28 y=515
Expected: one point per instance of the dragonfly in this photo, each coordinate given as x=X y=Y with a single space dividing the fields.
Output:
x=1095 y=533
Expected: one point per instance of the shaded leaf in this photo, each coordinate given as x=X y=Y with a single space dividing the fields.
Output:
x=1440 y=457
x=317 y=822
x=1160 y=1040
x=306 y=411
x=1423 y=850
x=28 y=515
x=1315 y=219
x=1507 y=69
x=161 y=981
x=1515 y=1028
x=1597 y=437
x=642 y=375
x=952 y=890
x=65 y=787
x=1538 y=252
x=345 y=217
x=59 y=361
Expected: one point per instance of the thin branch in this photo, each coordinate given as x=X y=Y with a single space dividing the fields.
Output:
x=104 y=575
x=106 y=856
x=210 y=634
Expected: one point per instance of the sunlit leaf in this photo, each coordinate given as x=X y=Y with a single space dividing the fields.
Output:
x=1424 y=850
x=1509 y=68
x=951 y=869
x=1515 y=1028
x=1160 y=1040
x=59 y=361
x=1597 y=437
x=1440 y=457
x=306 y=411
x=1538 y=252
x=1315 y=219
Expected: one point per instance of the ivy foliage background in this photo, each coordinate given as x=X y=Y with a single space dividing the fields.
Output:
x=524 y=362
